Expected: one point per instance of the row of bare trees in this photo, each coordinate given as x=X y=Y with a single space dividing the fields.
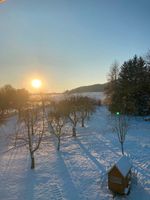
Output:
x=73 y=110
x=76 y=110
x=34 y=120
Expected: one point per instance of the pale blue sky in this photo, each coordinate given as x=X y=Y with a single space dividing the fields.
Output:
x=69 y=43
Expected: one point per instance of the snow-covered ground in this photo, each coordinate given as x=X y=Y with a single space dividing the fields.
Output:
x=79 y=170
x=94 y=95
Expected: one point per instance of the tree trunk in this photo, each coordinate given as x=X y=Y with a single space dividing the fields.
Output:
x=32 y=161
x=74 y=131
x=43 y=110
x=82 y=122
x=58 y=146
x=122 y=149
x=2 y=113
x=32 y=128
x=19 y=113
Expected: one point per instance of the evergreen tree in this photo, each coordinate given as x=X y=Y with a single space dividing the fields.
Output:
x=131 y=92
x=134 y=86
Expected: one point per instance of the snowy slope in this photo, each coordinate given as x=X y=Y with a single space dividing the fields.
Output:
x=78 y=171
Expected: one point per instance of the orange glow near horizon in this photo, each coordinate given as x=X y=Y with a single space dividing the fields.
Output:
x=2 y=1
x=36 y=83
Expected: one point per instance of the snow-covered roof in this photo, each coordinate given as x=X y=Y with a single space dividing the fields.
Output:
x=123 y=165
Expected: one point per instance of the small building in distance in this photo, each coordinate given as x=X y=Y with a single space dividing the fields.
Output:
x=119 y=176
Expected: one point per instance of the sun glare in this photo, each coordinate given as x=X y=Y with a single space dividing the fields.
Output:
x=36 y=83
x=1 y=1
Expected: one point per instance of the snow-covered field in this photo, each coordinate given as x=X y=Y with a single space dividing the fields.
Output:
x=79 y=170
x=94 y=95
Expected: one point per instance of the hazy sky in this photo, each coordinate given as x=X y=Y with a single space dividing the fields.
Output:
x=69 y=43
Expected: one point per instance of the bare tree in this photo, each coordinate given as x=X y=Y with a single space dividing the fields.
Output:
x=121 y=128
x=114 y=72
x=57 y=120
x=112 y=82
x=21 y=99
x=147 y=58
x=72 y=107
x=32 y=130
x=86 y=108
x=77 y=109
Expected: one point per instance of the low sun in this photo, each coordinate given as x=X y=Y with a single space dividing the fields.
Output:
x=36 y=83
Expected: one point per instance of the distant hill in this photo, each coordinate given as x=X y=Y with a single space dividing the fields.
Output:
x=89 y=88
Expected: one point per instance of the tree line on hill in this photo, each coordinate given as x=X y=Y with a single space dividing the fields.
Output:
x=128 y=88
x=89 y=88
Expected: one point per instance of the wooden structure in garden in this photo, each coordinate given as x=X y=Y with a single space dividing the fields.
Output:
x=119 y=176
